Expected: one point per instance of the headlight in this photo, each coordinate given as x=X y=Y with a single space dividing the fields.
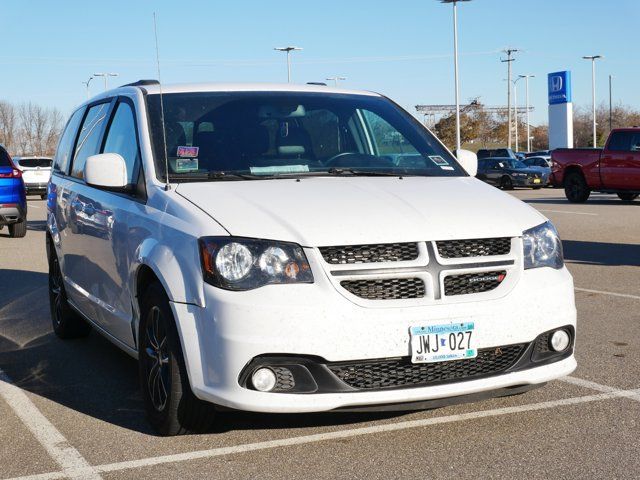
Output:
x=244 y=263
x=542 y=247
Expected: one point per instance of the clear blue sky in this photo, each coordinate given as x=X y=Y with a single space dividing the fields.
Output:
x=401 y=48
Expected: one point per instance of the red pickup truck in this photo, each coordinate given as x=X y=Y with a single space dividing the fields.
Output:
x=614 y=169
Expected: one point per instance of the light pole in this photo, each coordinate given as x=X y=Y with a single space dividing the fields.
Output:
x=455 y=65
x=593 y=59
x=508 y=60
x=106 y=77
x=86 y=84
x=335 y=80
x=288 y=50
x=526 y=88
x=610 y=104
x=515 y=108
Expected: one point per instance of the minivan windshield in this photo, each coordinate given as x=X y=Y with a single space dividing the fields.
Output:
x=248 y=135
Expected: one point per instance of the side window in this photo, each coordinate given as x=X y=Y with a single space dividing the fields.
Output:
x=635 y=143
x=386 y=138
x=89 y=138
x=121 y=138
x=65 y=145
x=620 y=141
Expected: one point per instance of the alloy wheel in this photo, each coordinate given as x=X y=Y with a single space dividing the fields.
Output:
x=56 y=291
x=157 y=359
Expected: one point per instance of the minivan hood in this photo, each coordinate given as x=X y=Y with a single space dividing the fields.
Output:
x=324 y=211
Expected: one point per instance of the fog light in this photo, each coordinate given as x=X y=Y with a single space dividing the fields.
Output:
x=263 y=379
x=560 y=340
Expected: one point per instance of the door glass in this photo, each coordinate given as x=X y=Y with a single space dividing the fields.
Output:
x=89 y=139
x=121 y=138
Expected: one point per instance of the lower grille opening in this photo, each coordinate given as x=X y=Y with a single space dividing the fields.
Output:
x=386 y=289
x=473 y=282
x=400 y=372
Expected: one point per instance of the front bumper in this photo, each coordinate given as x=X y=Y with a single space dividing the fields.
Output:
x=234 y=328
x=529 y=182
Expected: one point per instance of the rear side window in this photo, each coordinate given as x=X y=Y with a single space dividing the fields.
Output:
x=35 y=162
x=620 y=141
x=5 y=160
x=65 y=145
x=121 y=138
x=89 y=139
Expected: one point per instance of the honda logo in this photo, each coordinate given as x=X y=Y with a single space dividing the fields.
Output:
x=556 y=83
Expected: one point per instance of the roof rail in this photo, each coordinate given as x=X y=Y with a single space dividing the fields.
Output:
x=141 y=83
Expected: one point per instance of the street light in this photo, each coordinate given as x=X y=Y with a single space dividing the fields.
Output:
x=515 y=107
x=610 y=103
x=335 y=79
x=526 y=80
x=106 y=77
x=288 y=50
x=508 y=60
x=86 y=84
x=455 y=64
x=593 y=59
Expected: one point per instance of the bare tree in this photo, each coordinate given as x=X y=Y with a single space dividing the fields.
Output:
x=39 y=129
x=8 y=125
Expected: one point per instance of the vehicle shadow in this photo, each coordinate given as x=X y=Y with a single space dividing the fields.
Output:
x=37 y=225
x=601 y=253
x=94 y=377
x=596 y=201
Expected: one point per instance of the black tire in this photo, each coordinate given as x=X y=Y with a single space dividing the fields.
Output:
x=537 y=188
x=18 y=230
x=171 y=406
x=43 y=196
x=506 y=183
x=627 y=197
x=576 y=188
x=66 y=321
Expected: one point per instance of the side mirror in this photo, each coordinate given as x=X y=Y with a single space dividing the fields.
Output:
x=468 y=160
x=106 y=170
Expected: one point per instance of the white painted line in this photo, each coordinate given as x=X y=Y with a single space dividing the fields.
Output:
x=572 y=213
x=49 y=436
x=341 y=434
x=581 y=382
x=31 y=205
x=613 y=294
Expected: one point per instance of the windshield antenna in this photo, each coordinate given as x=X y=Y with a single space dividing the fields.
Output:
x=164 y=133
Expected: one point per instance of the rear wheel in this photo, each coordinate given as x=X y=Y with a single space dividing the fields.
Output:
x=18 y=230
x=171 y=406
x=576 y=188
x=506 y=183
x=66 y=322
x=43 y=196
x=627 y=197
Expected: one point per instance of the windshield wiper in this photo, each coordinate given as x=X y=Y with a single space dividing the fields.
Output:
x=217 y=175
x=362 y=173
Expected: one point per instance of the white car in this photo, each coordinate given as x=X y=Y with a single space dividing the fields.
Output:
x=309 y=249
x=36 y=172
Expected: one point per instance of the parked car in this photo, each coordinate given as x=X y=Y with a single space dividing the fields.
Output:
x=13 y=202
x=614 y=169
x=496 y=153
x=508 y=173
x=299 y=249
x=35 y=173
x=542 y=165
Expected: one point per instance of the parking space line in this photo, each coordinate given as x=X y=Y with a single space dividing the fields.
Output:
x=340 y=434
x=49 y=436
x=572 y=213
x=613 y=294
x=581 y=382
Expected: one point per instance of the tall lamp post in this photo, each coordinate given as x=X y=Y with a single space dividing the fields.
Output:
x=593 y=59
x=288 y=50
x=610 y=103
x=515 y=109
x=526 y=88
x=508 y=60
x=455 y=64
x=86 y=84
x=106 y=77
x=335 y=80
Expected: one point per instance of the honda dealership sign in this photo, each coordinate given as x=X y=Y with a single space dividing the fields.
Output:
x=560 y=110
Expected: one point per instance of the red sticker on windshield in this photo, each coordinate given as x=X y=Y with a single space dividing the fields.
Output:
x=188 y=152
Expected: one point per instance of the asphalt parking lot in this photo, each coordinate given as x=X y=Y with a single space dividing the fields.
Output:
x=72 y=409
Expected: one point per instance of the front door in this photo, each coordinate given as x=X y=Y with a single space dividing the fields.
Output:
x=620 y=162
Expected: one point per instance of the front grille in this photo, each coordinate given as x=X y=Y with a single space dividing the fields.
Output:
x=400 y=372
x=472 y=282
x=481 y=247
x=384 y=252
x=386 y=289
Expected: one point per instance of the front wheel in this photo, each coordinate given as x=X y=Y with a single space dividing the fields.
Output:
x=576 y=188
x=506 y=183
x=627 y=197
x=171 y=406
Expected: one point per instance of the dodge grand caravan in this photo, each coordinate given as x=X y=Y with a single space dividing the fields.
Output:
x=279 y=248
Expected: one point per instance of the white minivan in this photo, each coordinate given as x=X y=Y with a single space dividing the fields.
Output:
x=285 y=248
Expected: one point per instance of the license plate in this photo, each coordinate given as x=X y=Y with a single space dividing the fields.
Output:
x=536 y=180
x=442 y=342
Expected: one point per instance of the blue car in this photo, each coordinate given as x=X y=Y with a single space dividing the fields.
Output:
x=13 y=199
